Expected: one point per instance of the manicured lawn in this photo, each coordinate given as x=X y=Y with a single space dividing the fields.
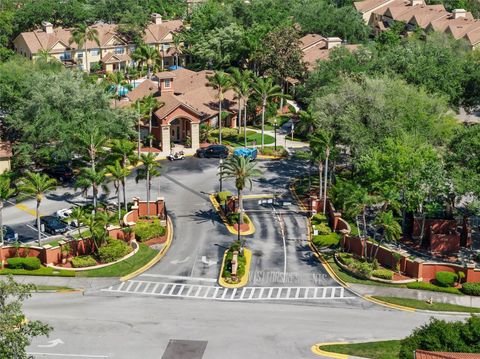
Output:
x=270 y=151
x=51 y=287
x=434 y=288
x=42 y=271
x=420 y=304
x=144 y=255
x=389 y=349
x=326 y=240
x=251 y=139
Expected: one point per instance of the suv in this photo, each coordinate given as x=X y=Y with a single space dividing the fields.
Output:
x=213 y=151
x=53 y=225
x=60 y=172
x=9 y=235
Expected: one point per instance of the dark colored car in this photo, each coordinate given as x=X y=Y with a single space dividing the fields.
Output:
x=8 y=234
x=213 y=151
x=53 y=225
x=61 y=172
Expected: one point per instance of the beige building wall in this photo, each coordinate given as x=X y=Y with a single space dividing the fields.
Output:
x=5 y=165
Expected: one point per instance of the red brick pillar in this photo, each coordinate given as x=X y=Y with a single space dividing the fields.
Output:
x=313 y=204
x=469 y=273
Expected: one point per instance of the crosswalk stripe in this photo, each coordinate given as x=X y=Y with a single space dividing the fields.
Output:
x=228 y=294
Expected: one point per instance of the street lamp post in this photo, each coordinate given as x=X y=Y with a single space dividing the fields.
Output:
x=275 y=127
x=220 y=173
x=293 y=128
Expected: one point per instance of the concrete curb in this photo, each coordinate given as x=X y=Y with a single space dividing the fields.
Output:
x=230 y=228
x=155 y=259
x=316 y=350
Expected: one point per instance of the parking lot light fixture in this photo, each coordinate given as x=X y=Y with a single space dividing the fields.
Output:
x=275 y=128
x=220 y=169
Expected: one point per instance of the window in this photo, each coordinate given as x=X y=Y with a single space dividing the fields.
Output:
x=167 y=84
x=80 y=55
x=132 y=48
x=66 y=56
x=94 y=52
x=119 y=50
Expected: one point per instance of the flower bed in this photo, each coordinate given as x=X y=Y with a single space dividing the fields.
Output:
x=150 y=231
x=226 y=271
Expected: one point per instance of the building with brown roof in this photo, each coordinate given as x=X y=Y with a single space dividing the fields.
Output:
x=186 y=102
x=381 y=14
x=113 y=51
x=424 y=354
x=5 y=156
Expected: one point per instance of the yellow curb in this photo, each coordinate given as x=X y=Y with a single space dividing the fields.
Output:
x=316 y=350
x=268 y=157
x=388 y=305
x=230 y=228
x=314 y=249
x=243 y=282
x=155 y=259
x=259 y=196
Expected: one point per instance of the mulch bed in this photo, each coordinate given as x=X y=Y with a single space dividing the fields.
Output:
x=157 y=240
x=243 y=228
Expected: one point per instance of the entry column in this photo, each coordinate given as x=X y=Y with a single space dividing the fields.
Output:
x=195 y=133
x=166 y=139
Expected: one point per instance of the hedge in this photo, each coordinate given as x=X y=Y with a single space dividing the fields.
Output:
x=471 y=289
x=113 y=250
x=83 y=261
x=28 y=263
x=446 y=279
x=383 y=274
x=235 y=218
x=148 y=230
x=319 y=218
x=322 y=228
x=432 y=287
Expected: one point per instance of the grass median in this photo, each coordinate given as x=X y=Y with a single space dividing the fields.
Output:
x=389 y=349
x=423 y=305
x=144 y=255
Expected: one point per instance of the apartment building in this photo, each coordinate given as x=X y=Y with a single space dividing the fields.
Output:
x=112 y=52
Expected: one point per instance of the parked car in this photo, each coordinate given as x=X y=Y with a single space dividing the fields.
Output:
x=246 y=152
x=64 y=216
x=63 y=173
x=9 y=234
x=53 y=225
x=213 y=151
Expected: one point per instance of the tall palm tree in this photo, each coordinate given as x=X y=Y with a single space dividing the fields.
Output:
x=117 y=79
x=306 y=125
x=221 y=82
x=237 y=81
x=89 y=177
x=5 y=193
x=148 y=171
x=177 y=46
x=44 y=55
x=323 y=140
x=36 y=184
x=356 y=204
x=92 y=142
x=266 y=90
x=242 y=170
x=148 y=106
x=149 y=56
x=388 y=226
x=123 y=151
x=117 y=176
x=78 y=216
x=81 y=34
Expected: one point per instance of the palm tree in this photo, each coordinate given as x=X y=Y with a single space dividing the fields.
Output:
x=123 y=151
x=221 y=82
x=356 y=204
x=245 y=91
x=89 y=177
x=117 y=176
x=149 y=105
x=117 y=79
x=45 y=56
x=322 y=140
x=306 y=125
x=5 y=193
x=81 y=35
x=35 y=185
x=78 y=215
x=147 y=55
x=265 y=89
x=149 y=170
x=242 y=170
x=205 y=132
x=388 y=227
x=92 y=142
x=237 y=81
x=177 y=45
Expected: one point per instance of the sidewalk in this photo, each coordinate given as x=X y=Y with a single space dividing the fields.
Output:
x=282 y=139
x=465 y=300
x=71 y=282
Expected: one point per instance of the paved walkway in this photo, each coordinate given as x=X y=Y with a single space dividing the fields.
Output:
x=282 y=139
x=465 y=300
x=71 y=282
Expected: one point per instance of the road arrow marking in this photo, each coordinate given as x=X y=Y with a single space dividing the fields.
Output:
x=52 y=343
x=208 y=262
x=177 y=261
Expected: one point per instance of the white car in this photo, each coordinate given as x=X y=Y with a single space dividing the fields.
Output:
x=64 y=215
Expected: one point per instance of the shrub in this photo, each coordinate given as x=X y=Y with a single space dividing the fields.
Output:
x=471 y=289
x=223 y=196
x=326 y=240
x=148 y=230
x=227 y=270
x=383 y=274
x=83 y=261
x=319 y=218
x=461 y=276
x=345 y=258
x=432 y=287
x=323 y=228
x=235 y=218
x=446 y=279
x=29 y=263
x=113 y=250
x=270 y=151
x=362 y=269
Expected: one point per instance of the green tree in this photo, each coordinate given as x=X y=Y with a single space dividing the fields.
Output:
x=117 y=176
x=266 y=90
x=81 y=35
x=388 y=227
x=323 y=140
x=36 y=185
x=6 y=191
x=17 y=332
x=148 y=106
x=221 y=82
x=78 y=216
x=90 y=177
x=242 y=170
x=117 y=80
x=123 y=151
x=147 y=172
x=91 y=143
x=149 y=56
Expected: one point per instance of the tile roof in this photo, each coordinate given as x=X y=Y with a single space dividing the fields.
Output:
x=424 y=354
x=110 y=58
x=309 y=40
x=366 y=5
x=146 y=88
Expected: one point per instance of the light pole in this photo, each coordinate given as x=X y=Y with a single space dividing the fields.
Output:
x=221 y=174
x=275 y=127
x=293 y=128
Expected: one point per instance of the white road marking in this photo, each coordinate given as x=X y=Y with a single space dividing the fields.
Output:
x=229 y=294
x=178 y=261
x=282 y=232
x=177 y=277
x=67 y=355
x=208 y=262
x=51 y=343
